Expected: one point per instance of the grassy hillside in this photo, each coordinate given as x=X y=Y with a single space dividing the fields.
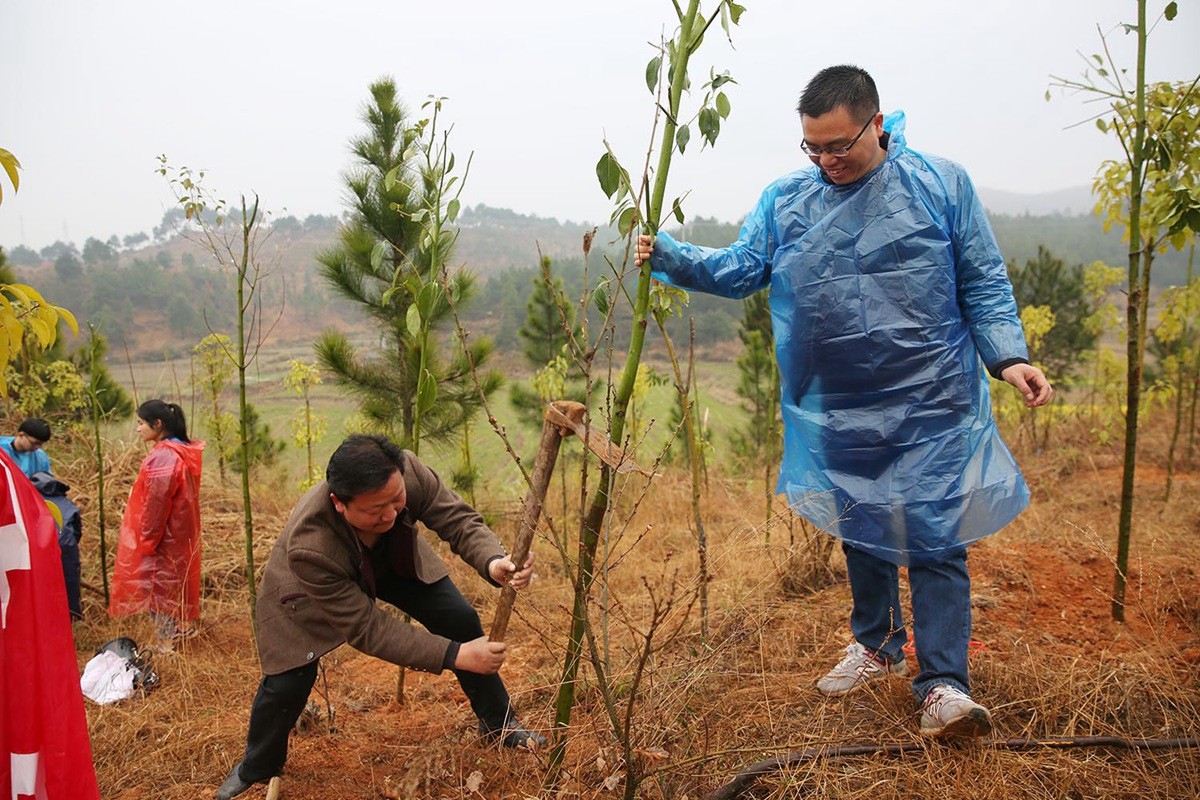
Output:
x=1048 y=660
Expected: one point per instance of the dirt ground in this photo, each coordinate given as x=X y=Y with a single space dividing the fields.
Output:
x=1049 y=661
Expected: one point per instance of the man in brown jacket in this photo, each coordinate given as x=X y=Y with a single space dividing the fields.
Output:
x=350 y=540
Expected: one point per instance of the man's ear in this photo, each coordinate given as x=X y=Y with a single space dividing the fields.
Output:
x=338 y=505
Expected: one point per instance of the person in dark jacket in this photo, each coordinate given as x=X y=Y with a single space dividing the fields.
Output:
x=351 y=540
x=55 y=491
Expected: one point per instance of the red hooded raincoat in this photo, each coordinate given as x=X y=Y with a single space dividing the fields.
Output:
x=158 y=555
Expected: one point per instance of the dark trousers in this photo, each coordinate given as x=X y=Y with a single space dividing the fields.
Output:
x=70 y=565
x=281 y=698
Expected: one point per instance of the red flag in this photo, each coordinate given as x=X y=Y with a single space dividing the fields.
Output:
x=44 y=748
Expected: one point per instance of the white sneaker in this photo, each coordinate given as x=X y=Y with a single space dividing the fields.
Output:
x=859 y=667
x=947 y=712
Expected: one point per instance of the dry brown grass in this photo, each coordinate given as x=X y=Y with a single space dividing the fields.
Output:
x=1053 y=663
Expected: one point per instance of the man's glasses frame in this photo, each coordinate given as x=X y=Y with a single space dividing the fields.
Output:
x=836 y=152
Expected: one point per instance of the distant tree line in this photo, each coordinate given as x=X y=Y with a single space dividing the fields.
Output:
x=110 y=285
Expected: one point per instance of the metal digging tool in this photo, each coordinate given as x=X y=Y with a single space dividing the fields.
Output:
x=556 y=423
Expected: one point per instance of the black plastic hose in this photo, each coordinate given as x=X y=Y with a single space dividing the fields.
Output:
x=748 y=775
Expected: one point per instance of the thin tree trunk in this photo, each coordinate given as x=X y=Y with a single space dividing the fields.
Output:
x=248 y=222
x=1191 y=448
x=697 y=454
x=1194 y=370
x=218 y=423
x=1181 y=380
x=308 y=436
x=594 y=519
x=99 y=470
x=1180 y=374
x=1135 y=335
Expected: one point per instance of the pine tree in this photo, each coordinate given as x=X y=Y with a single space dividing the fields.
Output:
x=758 y=384
x=549 y=327
x=1047 y=281
x=548 y=318
x=384 y=260
x=760 y=441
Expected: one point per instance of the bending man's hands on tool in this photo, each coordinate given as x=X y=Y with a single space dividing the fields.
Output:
x=642 y=249
x=503 y=570
x=481 y=656
x=1030 y=382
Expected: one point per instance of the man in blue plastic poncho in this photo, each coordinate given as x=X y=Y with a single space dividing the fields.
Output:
x=887 y=291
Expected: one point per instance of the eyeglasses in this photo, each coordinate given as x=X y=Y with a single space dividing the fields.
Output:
x=836 y=152
x=32 y=442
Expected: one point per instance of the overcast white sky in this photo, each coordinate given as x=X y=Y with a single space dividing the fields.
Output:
x=265 y=95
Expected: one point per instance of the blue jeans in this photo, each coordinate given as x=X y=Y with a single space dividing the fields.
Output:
x=941 y=605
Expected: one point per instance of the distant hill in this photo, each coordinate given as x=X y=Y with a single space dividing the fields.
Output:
x=1072 y=202
x=166 y=283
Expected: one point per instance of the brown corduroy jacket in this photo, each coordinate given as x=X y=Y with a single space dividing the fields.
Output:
x=313 y=596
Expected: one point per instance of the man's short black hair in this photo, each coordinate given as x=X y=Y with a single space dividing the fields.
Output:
x=847 y=86
x=37 y=428
x=362 y=463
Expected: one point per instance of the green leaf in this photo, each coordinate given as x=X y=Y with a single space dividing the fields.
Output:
x=1171 y=10
x=718 y=81
x=377 y=253
x=609 y=173
x=722 y=105
x=626 y=220
x=413 y=321
x=1047 y=95
x=426 y=299
x=389 y=180
x=710 y=125
x=652 y=71
x=682 y=136
x=735 y=12
x=427 y=391
x=677 y=210
x=600 y=298
x=1102 y=125
x=385 y=299
x=452 y=209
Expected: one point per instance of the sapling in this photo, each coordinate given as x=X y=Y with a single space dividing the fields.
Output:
x=639 y=207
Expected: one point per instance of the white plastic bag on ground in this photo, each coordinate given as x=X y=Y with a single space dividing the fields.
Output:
x=108 y=678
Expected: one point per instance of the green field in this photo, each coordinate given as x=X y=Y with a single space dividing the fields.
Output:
x=720 y=411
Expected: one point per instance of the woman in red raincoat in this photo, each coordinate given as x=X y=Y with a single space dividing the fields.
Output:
x=158 y=555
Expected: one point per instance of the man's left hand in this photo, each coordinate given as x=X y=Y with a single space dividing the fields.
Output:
x=1031 y=383
x=503 y=570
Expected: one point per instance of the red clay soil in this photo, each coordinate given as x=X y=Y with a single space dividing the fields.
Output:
x=1041 y=588
x=428 y=747
x=1065 y=597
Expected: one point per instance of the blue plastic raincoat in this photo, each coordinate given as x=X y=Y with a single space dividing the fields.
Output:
x=885 y=295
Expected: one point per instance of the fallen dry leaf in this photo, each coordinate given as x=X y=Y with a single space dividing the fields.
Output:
x=474 y=781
